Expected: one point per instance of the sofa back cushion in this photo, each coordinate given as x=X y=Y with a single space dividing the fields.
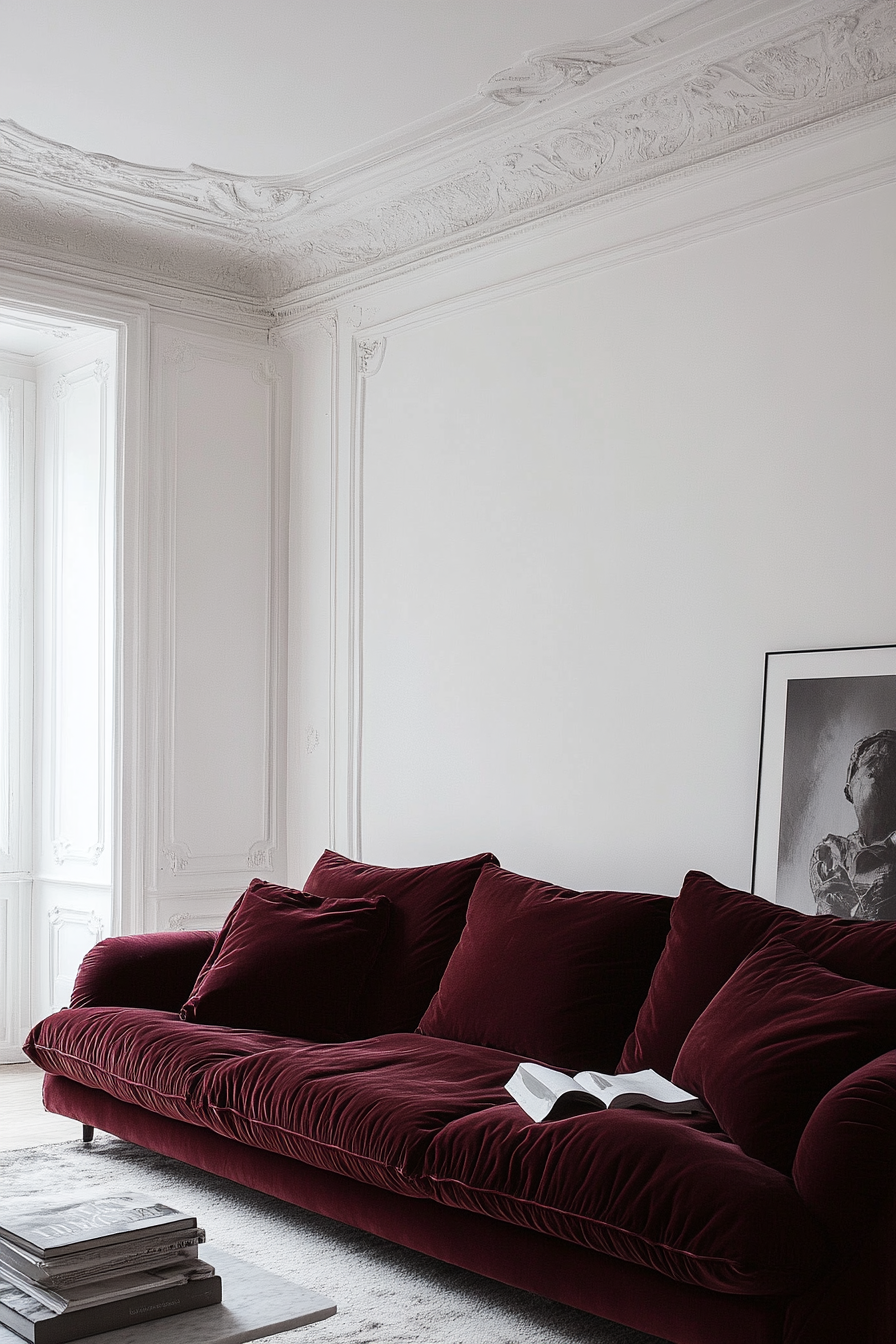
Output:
x=428 y=908
x=290 y=963
x=714 y=928
x=548 y=973
x=780 y=1033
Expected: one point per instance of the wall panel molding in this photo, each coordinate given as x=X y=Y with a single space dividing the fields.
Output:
x=368 y=355
x=16 y=594
x=198 y=910
x=211 y=429
x=15 y=968
x=71 y=933
x=72 y=460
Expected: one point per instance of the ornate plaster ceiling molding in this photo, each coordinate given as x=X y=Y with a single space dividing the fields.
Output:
x=844 y=60
x=564 y=128
x=543 y=73
x=200 y=191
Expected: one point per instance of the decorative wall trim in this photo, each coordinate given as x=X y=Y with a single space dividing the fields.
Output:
x=569 y=125
x=10 y=596
x=60 y=330
x=368 y=354
x=63 y=847
x=16 y=1010
x=9 y=986
x=62 y=292
x=331 y=327
x=60 y=918
x=198 y=910
x=186 y=920
x=266 y=373
x=176 y=860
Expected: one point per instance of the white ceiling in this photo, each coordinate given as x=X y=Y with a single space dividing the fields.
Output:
x=265 y=87
x=26 y=334
x=118 y=97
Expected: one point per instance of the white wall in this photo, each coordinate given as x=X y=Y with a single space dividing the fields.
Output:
x=572 y=515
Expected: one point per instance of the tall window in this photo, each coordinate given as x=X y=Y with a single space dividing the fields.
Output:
x=57 y=421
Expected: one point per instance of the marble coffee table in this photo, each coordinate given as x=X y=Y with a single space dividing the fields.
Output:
x=256 y=1303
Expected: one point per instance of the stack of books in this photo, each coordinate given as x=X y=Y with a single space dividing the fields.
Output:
x=72 y=1267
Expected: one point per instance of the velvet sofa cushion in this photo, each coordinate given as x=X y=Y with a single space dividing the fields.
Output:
x=364 y=1109
x=290 y=963
x=429 y=904
x=549 y=973
x=780 y=1033
x=713 y=929
x=138 y=1055
x=668 y=1193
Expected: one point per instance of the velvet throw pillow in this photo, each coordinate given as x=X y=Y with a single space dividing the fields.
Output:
x=290 y=963
x=775 y=1039
x=429 y=904
x=713 y=929
x=551 y=974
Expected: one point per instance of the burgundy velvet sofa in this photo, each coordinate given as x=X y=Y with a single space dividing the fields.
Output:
x=345 y=1049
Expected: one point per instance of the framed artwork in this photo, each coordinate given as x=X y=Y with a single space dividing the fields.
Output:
x=825 y=840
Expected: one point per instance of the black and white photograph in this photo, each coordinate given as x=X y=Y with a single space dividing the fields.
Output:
x=826 y=808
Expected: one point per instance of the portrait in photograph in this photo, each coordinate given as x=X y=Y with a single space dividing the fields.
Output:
x=826 y=814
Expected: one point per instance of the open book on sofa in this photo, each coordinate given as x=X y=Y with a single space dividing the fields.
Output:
x=547 y=1094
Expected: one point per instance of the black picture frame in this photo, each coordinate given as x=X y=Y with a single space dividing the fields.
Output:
x=817 y=704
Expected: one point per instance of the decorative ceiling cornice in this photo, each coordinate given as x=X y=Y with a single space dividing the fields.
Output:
x=563 y=127
x=544 y=73
x=197 y=192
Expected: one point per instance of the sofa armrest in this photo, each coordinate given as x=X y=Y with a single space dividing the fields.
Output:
x=845 y=1171
x=845 y=1167
x=142 y=970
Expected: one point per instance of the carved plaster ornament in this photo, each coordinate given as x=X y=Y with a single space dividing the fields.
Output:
x=542 y=74
x=223 y=196
x=266 y=372
x=370 y=356
x=827 y=66
x=260 y=855
x=177 y=856
x=269 y=241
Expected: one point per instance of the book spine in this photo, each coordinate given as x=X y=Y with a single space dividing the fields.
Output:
x=72 y=1325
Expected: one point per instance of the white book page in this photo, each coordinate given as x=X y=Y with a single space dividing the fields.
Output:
x=536 y=1088
x=646 y=1083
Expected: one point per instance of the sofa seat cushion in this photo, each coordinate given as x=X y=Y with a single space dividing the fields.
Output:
x=367 y=1109
x=149 y=1058
x=669 y=1193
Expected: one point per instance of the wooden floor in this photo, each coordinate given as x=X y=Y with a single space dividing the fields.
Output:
x=23 y=1121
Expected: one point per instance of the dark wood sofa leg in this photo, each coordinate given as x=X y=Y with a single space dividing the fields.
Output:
x=87 y=1132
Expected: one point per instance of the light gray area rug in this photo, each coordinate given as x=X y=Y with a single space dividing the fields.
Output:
x=386 y=1294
